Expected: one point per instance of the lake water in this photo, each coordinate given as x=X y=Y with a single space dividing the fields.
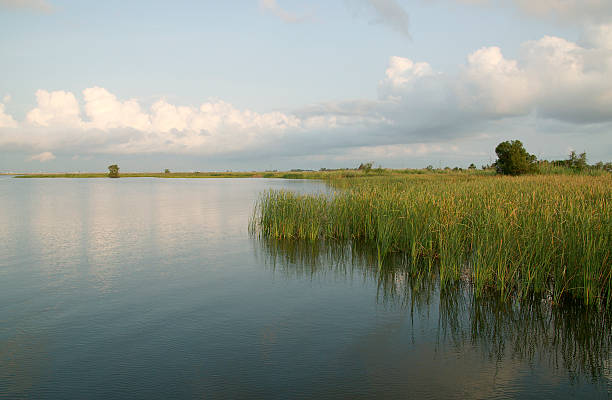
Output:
x=153 y=288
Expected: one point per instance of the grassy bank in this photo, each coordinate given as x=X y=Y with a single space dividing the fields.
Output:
x=549 y=236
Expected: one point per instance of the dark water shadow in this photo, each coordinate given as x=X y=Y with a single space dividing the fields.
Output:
x=571 y=337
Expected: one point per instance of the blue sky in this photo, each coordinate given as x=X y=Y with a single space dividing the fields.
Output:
x=300 y=84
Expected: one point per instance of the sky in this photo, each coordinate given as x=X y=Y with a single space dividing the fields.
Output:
x=283 y=84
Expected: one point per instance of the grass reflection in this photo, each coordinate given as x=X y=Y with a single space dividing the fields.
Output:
x=571 y=337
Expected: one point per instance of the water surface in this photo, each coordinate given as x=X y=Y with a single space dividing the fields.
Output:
x=153 y=288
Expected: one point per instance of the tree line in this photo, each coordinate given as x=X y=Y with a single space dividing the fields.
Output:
x=513 y=159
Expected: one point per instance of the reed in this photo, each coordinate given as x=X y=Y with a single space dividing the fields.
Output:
x=549 y=236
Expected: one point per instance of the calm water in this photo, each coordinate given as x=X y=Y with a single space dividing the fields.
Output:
x=152 y=288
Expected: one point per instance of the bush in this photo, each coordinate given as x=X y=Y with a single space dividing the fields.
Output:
x=366 y=167
x=513 y=159
x=113 y=171
x=577 y=162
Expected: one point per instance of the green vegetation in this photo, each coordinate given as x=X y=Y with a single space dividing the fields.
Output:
x=113 y=171
x=365 y=167
x=548 y=236
x=513 y=159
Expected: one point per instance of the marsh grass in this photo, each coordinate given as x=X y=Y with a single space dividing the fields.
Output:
x=548 y=236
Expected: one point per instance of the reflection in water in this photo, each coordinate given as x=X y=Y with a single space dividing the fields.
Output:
x=23 y=358
x=149 y=288
x=571 y=337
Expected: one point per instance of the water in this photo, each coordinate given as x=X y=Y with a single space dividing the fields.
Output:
x=152 y=288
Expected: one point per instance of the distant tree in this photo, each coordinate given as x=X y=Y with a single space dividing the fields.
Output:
x=605 y=167
x=472 y=166
x=113 y=171
x=166 y=171
x=365 y=167
x=513 y=159
x=378 y=170
x=429 y=168
x=577 y=162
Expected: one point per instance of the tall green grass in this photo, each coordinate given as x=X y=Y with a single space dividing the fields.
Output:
x=520 y=236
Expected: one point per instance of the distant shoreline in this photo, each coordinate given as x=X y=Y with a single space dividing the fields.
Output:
x=303 y=174
x=254 y=174
x=292 y=174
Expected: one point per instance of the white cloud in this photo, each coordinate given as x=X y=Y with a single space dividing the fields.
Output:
x=553 y=77
x=552 y=80
x=6 y=120
x=493 y=84
x=55 y=108
x=574 y=81
x=106 y=112
x=403 y=72
x=272 y=6
x=42 y=157
x=32 y=5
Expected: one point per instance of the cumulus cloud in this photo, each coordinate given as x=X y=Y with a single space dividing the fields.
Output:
x=31 y=5
x=272 y=7
x=6 y=120
x=552 y=79
x=573 y=82
x=42 y=157
x=387 y=12
x=106 y=112
x=493 y=84
x=403 y=72
x=55 y=108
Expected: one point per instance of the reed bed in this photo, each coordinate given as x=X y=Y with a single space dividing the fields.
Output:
x=549 y=236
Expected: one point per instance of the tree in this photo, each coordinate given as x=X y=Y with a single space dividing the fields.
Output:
x=577 y=162
x=166 y=171
x=472 y=166
x=113 y=171
x=366 y=167
x=513 y=159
